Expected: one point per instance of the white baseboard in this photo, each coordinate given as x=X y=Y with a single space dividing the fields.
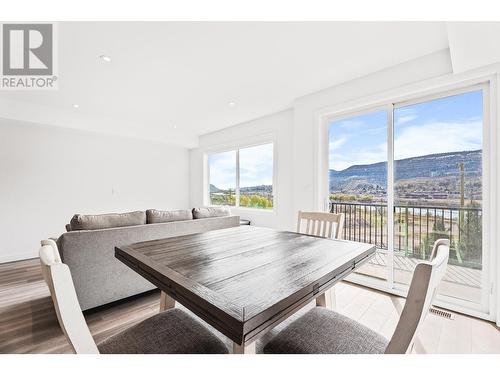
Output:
x=19 y=256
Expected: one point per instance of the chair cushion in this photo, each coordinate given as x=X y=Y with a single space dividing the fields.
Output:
x=170 y=332
x=92 y=222
x=206 y=212
x=156 y=216
x=322 y=331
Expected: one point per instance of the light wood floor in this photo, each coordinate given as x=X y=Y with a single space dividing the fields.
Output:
x=28 y=322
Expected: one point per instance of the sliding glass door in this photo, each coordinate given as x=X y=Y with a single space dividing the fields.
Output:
x=358 y=182
x=438 y=189
x=408 y=174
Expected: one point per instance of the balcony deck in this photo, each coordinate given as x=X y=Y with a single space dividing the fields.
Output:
x=459 y=281
x=415 y=229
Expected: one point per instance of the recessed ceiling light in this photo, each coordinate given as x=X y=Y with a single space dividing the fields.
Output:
x=231 y=104
x=175 y=126
x=105 y=58
x=76 y=106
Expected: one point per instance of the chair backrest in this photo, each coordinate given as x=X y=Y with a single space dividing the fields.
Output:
x=322 y=224
x=423 y=288
x=58 y=278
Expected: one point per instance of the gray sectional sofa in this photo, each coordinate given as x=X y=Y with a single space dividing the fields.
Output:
x=88 y=248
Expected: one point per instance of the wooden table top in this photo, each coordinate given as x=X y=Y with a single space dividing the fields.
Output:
x=244 y=280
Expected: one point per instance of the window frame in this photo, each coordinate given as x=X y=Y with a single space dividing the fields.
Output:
x=400 y=98
x=260 y=141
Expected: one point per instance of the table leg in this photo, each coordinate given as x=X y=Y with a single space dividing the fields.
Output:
x=327 y=299
x=166 y=302
x=244 y=349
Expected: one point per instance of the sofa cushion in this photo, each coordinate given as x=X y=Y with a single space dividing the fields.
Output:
x=206 y=212
x=91 y=222
x=156 y=216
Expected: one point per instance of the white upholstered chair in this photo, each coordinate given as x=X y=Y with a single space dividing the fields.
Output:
x=327 y=225
x=323 y=331
x=172 y=331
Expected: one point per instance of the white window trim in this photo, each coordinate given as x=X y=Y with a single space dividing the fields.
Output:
x=424 y=91
x=259 y=140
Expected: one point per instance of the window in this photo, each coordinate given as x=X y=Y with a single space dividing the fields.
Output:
x=408 y=174
x=222 y=172
x=256 y=176
x=242 y=177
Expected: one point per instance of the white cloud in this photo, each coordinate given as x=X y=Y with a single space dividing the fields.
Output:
x=351 y=124
x=337 y=143
x=223 y=170
x=341 y=161
x=437 y=137
x=407 y=118
x=414 y=140
x=256 y=167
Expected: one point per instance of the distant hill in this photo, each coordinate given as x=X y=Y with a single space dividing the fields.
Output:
x=370 y=178
x=214 y=189
x=248 y=189
x=257 y=189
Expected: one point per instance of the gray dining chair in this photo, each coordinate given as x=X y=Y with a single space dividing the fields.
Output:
x=322 y=331
x=170 y=332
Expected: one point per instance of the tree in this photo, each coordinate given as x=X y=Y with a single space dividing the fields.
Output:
x=263 y=202
x=254 y=200
x=366 y=198
x=469 y=247
x=438 y=231
x=231 y=197
x=244 y=200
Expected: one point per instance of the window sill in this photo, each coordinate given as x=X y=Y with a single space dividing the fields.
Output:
x=256 y=210
x=247 y=209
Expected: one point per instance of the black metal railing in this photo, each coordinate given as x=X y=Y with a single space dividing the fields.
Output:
x=416 y=228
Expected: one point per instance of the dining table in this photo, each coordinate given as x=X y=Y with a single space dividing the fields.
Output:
x=244 y=280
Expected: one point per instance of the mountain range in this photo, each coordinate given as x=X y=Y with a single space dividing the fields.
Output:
x=249 y=189
x=370 y=178
x=436 y=172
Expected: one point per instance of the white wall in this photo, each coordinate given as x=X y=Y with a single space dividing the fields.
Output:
x=473 y=44
x=277 y=127
x=47 y=174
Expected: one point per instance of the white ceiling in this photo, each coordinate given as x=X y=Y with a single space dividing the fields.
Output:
x=172 y=81
x=473 y=44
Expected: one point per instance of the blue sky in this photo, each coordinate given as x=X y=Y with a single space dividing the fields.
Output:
x=443 y=125
x=256 y=167
x=222 y=167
